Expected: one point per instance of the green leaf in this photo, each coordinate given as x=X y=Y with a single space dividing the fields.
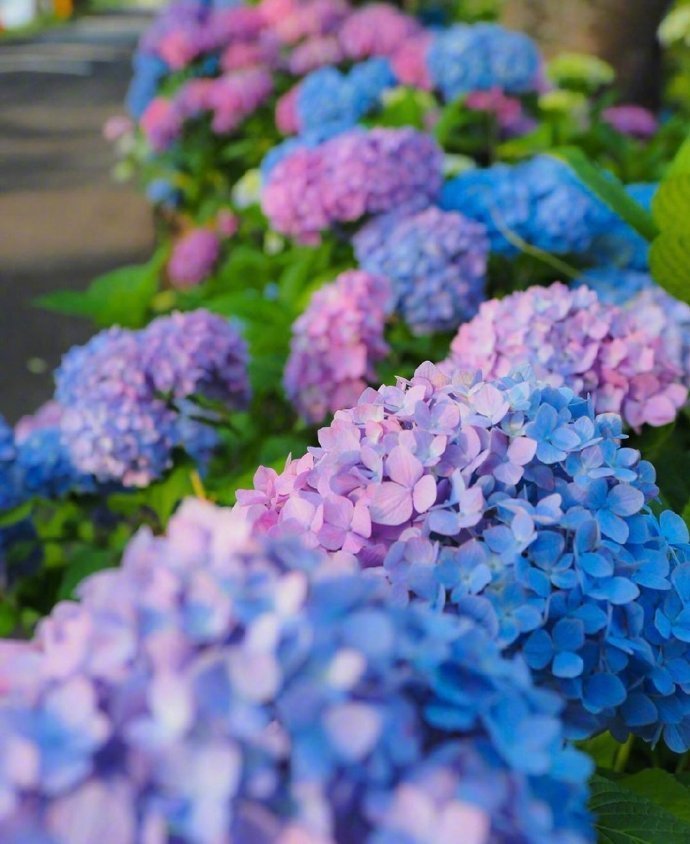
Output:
x=83 y=562
x=16 y=514
x=681 y=163
x=603 y=749
x=164 y=496
x=671 y=203
x=609 y=190
x=121 y=297
x=623 y=816
x=663 y=789
x=669 y=260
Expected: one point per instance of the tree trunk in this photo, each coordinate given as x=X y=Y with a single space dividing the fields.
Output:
x=623 y=32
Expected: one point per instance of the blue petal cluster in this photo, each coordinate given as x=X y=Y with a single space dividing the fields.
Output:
x=541 y=200
x=619 y=245
x=149 y=71
x=326 y=96
x=217 y=689
x=466 y=58
x=512 y=502
x=127 y=395
x=436 y=261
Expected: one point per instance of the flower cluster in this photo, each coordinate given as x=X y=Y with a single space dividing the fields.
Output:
x=513 y=502
x=327 y=96
x=126 y=394
x=229 y=99
x=633 y=120
x=193 y=257
x=618 y=244
x=376 y=30
x=436 y=261
x=352 y=175
x=570 y=337
x=481 y=57
x=34 y=460
x=541 y=201
x=219 y=687
x=336 y=343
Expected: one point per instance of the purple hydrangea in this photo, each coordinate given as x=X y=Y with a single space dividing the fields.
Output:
x=193 y=258
x=465 y=58
x=218 y=688
x=126 y=394
x=436 y=261
x=514 y=502
x=336 y=343
x=570 y=337
x=376 y=30
x=631 y=119
x=352 y=175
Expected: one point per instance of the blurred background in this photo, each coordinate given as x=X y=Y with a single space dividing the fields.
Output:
x=64 y=69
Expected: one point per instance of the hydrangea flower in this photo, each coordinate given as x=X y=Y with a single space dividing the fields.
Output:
x=125 y=393
x=294 y=20
x=618 y=243
x=511 y=501
x=436 y=261
x=218 y=687
x=541 y=201
x=161 y=124
x=569 y=337
x=9 y=488
x=349 y=176
x=409 y=62
x=314 y=53
x=193 y=258
x=149 y=70
x=630 y=119
x=483 y=56
x=376 y=30
x=336 y=343
x=328 y=96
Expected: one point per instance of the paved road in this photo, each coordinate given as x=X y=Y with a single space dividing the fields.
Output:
x=62 y=220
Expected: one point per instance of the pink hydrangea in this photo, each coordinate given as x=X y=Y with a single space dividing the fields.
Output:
x=236 y=95
x=116 y=127
x=409 y=62
x=376 y=30
x=352 y=175
x=633 y=120
x=508 y=111
x=314 y=53
x=227 y=223
x=336 y=343
x=287 y=119
x=293 y=20
x=161 y=124
x=178 y=47
x=236 y=24
x=193 y=258
x=194 y=98
x=570 y=338
x=263 y=52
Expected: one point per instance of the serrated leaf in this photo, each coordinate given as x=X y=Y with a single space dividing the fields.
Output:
x=662 y=788
x=609 y=190
x=623 y=816
x=671 y=203
x=669 y=262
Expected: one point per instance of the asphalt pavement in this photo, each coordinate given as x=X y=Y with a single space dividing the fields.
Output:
x=63 y=220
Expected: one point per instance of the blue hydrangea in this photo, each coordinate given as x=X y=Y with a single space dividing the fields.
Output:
x=436 y=261
x=326 y=96
x=614 y=285
x=466 y=58
x=541 y=201
x=218 y=688
x=45 y=467
x=619 y=244
x=512 y=502
x=162 y=192
x=9 y=488
x=149 y=71
x=492 y=197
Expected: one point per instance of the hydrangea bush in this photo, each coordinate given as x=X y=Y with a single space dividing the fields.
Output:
x=473 y=590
